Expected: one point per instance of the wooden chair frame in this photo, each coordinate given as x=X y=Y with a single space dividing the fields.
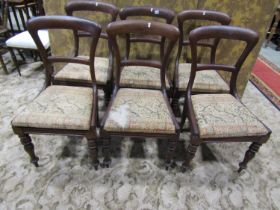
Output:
x=189 y=15
x=93 y=6
x=71 y=23
x=150 y=28
x=219 y=32
x=5 y=33
x=146 y=11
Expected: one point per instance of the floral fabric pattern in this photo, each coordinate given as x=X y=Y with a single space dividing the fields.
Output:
x=205 y=81
x=139 y=110
x=76 y=72
x=222 y=115
x=58 y=107
x=141 y=77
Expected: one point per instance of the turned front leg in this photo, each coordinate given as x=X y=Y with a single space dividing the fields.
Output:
x=249 y=155
x=29 y=148
x=106 y=152
x=191 y=150
x=93 y=152
x=171 y=148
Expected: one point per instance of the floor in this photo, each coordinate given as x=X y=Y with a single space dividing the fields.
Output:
x=270 y=54
x=136 y=178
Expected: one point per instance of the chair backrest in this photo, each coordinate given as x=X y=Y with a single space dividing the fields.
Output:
x=64 y=22
x=169 y=32
x=201 y=15
x=248 y=36
x=146 y=11
x=92 y=6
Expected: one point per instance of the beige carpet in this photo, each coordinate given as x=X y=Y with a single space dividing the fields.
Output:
x=136 y=178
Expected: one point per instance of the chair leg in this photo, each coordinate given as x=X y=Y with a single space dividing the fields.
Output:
x=175 y=103
x=191 y=150
x=14 y=60
x=93 y=152
x=249 y=155
x=3 y=65
x=107 y=92
x=106 y=153
x=184 y=116
x=29 y=148
x=169 y=161
x=21 y=55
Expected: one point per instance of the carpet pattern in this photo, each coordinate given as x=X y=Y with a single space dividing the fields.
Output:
x=266 y=77
x=136 y=178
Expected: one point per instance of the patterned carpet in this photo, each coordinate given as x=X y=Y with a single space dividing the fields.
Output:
x=137 y=178
x=266 y=77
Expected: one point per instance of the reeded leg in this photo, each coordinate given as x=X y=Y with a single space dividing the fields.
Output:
x=29 y=148
x=249 y=155
x=175 y=104
x=169 y=161
x=191 y=150
x=106 y=153
x=93 y=152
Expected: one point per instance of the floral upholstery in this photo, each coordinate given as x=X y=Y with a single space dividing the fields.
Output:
x=141 y=77
x=75 y=72
x=205 y=81
x=140 y=110
x=58 y=107
x=222 y=115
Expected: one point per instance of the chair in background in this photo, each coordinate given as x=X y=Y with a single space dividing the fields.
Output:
x=25 y=9
x=4 y=34
x=144 y=76
x=208 y=81
x=23 y=41
x=221 y=117
x=78 y=74
x=140 y=112
x=61 y=109
x=273 y=28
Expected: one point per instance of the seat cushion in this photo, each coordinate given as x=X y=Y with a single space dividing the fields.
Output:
x=139 y=110
x=141 y=77
x=222 y=115
x=58 y=107
x=24 y=40
x=205 y=81
x=75 y=72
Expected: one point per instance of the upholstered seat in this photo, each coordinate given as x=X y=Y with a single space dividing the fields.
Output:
x=205 y=81
x=24 y=40
x=58 y=107
x=75 y=72
x=222 y=115
x=139 y=110
x=141 y=77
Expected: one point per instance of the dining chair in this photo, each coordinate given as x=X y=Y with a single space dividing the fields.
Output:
x=206 y=81
x=61 y=109
x=25 y=9
x=5 y=34
x=144 y=76
x=78 y=74
x=221 y=117
x=140 y=112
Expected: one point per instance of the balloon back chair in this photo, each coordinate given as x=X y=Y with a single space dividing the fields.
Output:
x=140 y=76
x=221 y=117
x=61 y=109
x=140 y=112
x=78 y=74
x=206 y=82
